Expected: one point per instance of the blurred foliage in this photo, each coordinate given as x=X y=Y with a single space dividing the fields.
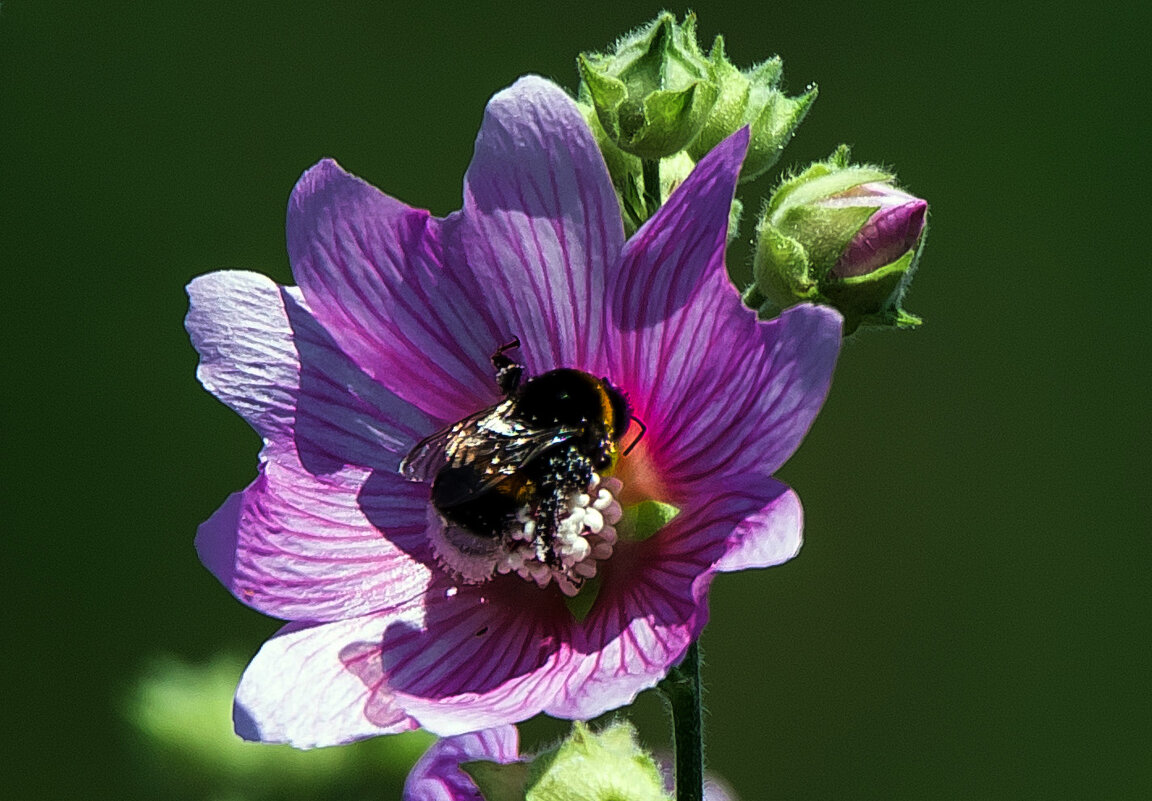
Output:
x=182 y=716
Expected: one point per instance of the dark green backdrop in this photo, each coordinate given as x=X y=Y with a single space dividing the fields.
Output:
x=969 y=617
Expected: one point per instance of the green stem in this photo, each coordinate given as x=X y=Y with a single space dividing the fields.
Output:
x=651 y=175
x=682 y=689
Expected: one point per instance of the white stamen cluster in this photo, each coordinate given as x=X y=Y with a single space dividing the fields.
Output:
x=583 y=539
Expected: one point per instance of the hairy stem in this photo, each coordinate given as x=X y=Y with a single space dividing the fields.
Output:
x=682 y=689
x=651 y=175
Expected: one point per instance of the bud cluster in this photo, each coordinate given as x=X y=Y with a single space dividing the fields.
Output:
x=657 y=98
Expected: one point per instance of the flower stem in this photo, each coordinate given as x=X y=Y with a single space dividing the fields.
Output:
x=682 y=689
x=651 y=175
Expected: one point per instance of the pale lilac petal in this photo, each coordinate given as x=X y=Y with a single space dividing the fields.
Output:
x=769 y=536
x=297 y=543
x=372 y=271
x=298 y=690
x=542 y=225
x=437 y=775
x=297 y=546
x=237 y=324
x=263 y=354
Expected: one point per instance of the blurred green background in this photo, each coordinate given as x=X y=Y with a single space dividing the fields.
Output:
x=969 y=617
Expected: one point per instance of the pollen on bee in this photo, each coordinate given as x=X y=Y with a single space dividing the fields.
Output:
x=585 y=536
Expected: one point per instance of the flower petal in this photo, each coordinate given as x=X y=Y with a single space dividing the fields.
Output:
x=768 y=536
x=502 y=652
x=298 y=690
x=237 y=324
x=673 y=256
x=372 y=271
x=437 y=775
x=296 y=543
x=773 y=380
x=296 y=546
x=720 y=391
x=542 y=225
x=264 y=355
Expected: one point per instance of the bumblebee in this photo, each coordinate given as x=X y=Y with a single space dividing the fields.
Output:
x=525 y=458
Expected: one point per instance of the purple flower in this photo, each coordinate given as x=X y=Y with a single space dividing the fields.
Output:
x=389 y=337
x=437 y=775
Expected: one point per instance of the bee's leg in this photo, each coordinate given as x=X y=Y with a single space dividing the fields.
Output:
x=508 y=372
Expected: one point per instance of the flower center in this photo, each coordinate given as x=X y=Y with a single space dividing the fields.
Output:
x=583 y=536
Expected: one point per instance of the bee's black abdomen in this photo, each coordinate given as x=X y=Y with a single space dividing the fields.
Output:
x=488 y=513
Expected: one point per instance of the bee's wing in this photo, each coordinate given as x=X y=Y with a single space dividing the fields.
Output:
x=488 y=443
x=487 y=460
x=434 y=451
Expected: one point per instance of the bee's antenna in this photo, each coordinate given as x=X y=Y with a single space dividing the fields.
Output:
x=640 y=436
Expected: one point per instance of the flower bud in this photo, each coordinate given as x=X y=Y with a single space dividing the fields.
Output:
x=607 y=765
x=842 y=235
x=627 y=173
x=653 y=94
x=751 y=98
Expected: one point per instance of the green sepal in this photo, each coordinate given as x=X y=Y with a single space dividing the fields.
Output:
x=735 y=214
x=605 y=94
x=596 y=766
x=580 y=604
x=653 y=94
x=640 y=521
x=670 y=120
x=778 y=120
x=498 y=782
x=780 y=268
x=859 y=297
x=751 y=97
x=819 y=181
x=728 y=112
x=627 y=172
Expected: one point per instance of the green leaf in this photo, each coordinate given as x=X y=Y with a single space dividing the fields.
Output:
x=582 y=602
x=644 y=519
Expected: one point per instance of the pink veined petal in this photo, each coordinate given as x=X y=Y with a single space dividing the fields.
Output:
x=372 y=271
x=403 y=313
x=437 y=775
x=298 y=542
x=237 y=324
x=772 y=384
x=265 y=356
x=295 y=546
x=506 y=652
x=490 y=654
x=542 y=225
x=494 y=641
x=298 y=689
x=769 y=536
x=720 y=390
